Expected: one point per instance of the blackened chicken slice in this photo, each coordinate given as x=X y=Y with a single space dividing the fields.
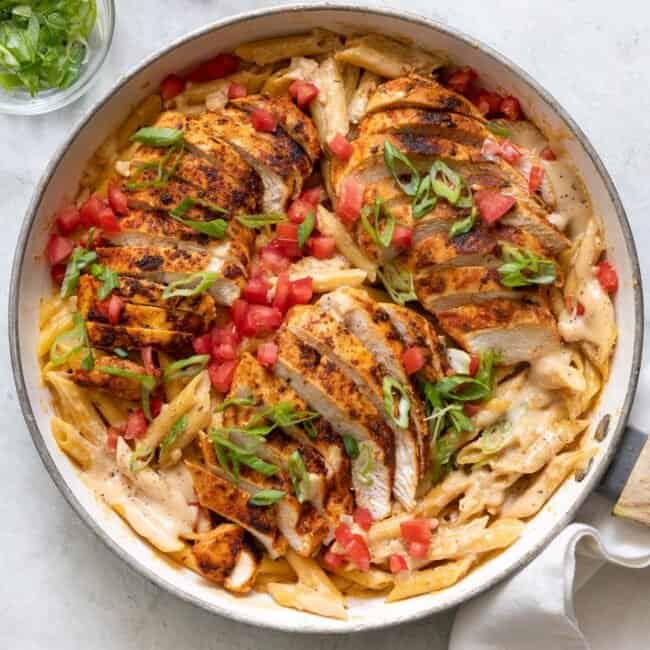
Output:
x=321 y=384
x=106 y=336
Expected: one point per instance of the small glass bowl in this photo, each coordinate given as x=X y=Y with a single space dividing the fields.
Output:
x=20 y=102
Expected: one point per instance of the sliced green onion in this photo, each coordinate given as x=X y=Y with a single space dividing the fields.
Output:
x=306 y=228
x=158 y=136
x=261 y=220
x=523 y=267
x=121 y=353
x=495 y=437
x=178 y=427
x=351 y=446
x=79 y=260
x=398 y=282
x=446 y=183
x=109 y=279
x=299 y=477
x=310 y=429
x=402 y=418
x=189 y=202
x=72 y=341
x=192 y=285
x=165 y=168
x=266 y=497
x=393 y=155
x=234 y=401
x=463 y=226
x=186 y=367
x=424 y=200
x=381 y=236
x=231 y=456
x=365 y=463
x=216 y=228
x=147 y=384
x=140 y=458
x=498 y=129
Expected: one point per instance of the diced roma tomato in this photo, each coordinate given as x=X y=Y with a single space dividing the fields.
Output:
x=343 y=534
x=67 y=219
x=287 y=231
x=300 y=291
x=363 y=518
x=511 y=108
x=117 y=200
x=313 y=196
x=260 y=320
x=90 y=210
x=225 y=334
x=238 y=312
x=263 y=121
x=106 y=220
x=356 y=550
x=333 y=561
x=58 y=273
x=474 y=364
x=221 y=66
x=607 y=276
x=136 y=425
x=115 y=305
x=298 y=210
x=58 y=249
x=224 y=351
x=547 y=154
x=267 y=354
x=221 y=374
x=235 y=91
x=171 y=86
x=509 y=152
x=402 y=236
x=413 y=359
x=416 y=530
x=350 y=200
x=340 y=147
x=273 y=259
x=321 y=247
x=535 y=178
x=282 y=288
x=112 y=434
x=155 y=405
x=493 y=205
x=471 y=409
x=303 y=92
x=397 y=563
x=202 y=344
x=461 y=80
x=288 y=248
x=488 y=103
x=256 y=291
x=418 y=550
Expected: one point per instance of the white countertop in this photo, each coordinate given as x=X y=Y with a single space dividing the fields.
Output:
x=61 y=588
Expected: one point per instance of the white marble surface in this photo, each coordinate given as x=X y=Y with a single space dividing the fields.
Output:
x=61 y=588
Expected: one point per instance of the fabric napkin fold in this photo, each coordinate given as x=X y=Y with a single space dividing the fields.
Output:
x=534 y=610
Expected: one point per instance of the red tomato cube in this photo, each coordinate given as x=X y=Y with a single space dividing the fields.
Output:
x=298 y=210
x=607 y=276
x=509 y=152
x=106 y=220
x=221 y=66
x=461 y=79
x=322 y=247
x=136 y=425
x=263 y=121
x=267 y=354
x=363 y=518
x=474 y=364
x=238 y=312
x=300 y=292
x=58 y=249
x=402 y=236
x=115 y=306
x=343 y=534
x=235 y=91
x=171 y=86
x=202 y=344
x=511 y=108
x=350 y=200
x=313 y=195
x=397 y=563
x=282 y=288
x=418 y=550
x=256 y=291
x=340 y=147
x=493 y=205
x=547 y=154
x=221 y=374
x=303 y=92
x=416 y=530
x=117 y=200
x=67 y=219
x=333 y=561
x=273 y=259
x=261 y=320
x=535 y=178
x=90 y=210
x=356 y=550
x=413 y=359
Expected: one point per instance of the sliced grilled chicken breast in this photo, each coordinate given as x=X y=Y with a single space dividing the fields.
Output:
x=440 y=124
x=122 y=387
x=328 y=391
x=332 y=340
x=168 y=264
x=229 y=501
x=108 y=337
x=295 y=123
x=420 y=92
x=518 y=331
x=281 y=162
x=440 y=289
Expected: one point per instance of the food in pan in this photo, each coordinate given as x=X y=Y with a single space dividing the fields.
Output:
x=329 y=318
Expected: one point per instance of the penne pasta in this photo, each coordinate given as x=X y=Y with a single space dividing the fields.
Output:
x=272 y=50
x=72 y=443
x=330 y=109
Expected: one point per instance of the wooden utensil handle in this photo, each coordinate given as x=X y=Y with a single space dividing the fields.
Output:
x=627 y=481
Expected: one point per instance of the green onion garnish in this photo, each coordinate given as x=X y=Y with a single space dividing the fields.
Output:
x=446 y=183
x=232 y=456
x=382 y=236
x=498 y=129
x=392 y=155
x=398 y=282
x=79 y=260
x=69 y=342
x=215 y=228
x=147 y=384
x=351 y=446
x=305 y=228
x=463 y=226
x=522 y=267
x=365 y=463
x=299 y=477
x=109 y=279
x=186 y=367
x=158 y=136
x=261 y=220
x=266 y=497
x=192 y=285
x=234 y=401
x=121 y=353
x=389 y=385
x=178 y=427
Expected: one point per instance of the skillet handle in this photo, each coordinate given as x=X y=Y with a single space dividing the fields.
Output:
x=627 y=481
